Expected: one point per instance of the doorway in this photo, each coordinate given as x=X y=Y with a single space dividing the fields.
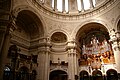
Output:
x=84 y=75
x=97 y=75
x=58 y=75
x=112 y=74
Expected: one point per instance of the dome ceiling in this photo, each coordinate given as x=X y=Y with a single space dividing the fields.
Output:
x=66 y=6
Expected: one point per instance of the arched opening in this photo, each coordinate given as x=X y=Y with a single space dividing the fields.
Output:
x=58 y=75
x=7 y=73
x=23 y=74
x=84 y=75
x=97 y=75
x=29 y=25
x=93 y=40
x=87 y=31
x=112 y=74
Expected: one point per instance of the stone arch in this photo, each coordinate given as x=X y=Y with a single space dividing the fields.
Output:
x=58 y=37
x=20 y=8
x=102 y=22
x=62 y=31
x=97 y=72
x=58 y=75
x=89 y=36
x=84 y=75
x=30 y=23
x=112 y=74
x=85 y=29
x=97 y=75
x=58 y=69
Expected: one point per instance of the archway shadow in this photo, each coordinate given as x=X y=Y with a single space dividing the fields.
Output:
x=58 y=75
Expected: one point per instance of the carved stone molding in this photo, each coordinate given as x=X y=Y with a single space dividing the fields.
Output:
x=77 y=16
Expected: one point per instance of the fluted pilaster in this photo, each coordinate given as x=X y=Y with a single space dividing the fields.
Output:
x=72 y=63
x=7 y=27
x=43 y=60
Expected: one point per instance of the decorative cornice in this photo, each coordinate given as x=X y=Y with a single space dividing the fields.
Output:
x=66 y=16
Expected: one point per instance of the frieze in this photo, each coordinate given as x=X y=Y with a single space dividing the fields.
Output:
x=58 y=67
x=62 y=26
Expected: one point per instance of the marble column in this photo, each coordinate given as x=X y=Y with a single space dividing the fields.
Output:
x=72 y=6
x=43 y=60
x=69 y=65
x=82 y=6
x=8 y=28
x=115 y=40
x=91 y=4
x=63 y=6
x=72 y=63
x=55 y=5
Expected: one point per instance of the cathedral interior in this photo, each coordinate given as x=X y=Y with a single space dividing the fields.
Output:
x=59 y=39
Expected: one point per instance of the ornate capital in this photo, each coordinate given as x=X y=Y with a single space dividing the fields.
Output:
x=45 y=45
x=71 y=45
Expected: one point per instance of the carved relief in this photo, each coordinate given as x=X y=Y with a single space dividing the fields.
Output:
x=59 y=37
x=52 y=25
